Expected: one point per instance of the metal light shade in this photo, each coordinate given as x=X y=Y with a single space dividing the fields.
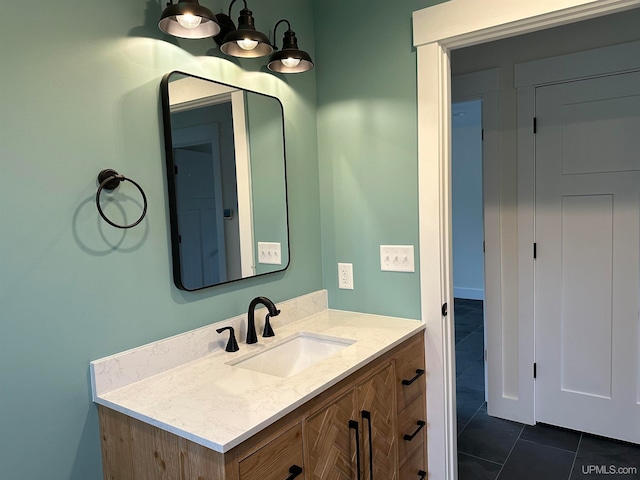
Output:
x=170 y=20
x=246 y=32
x=298 y=60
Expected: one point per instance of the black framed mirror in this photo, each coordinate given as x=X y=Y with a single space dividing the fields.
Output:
x=226 y=178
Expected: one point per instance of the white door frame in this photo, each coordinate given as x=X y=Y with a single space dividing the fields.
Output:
x=243 y=184
x=437 y=30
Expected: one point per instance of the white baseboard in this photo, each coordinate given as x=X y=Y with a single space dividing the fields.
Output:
x=469 y=293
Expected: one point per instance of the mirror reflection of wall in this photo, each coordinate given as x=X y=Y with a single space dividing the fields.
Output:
x=226 y=178
x=265 y=143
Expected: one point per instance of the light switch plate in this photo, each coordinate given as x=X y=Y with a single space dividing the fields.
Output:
x=397 y=258
x=269 y=252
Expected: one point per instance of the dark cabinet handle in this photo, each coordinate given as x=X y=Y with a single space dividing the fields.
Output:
x=366 y=415
x=295 y=470
x=353 y=424
x=408 y=437
x=422 y=474
x=419 y=373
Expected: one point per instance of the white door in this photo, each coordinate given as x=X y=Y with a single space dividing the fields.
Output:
x=588 y=247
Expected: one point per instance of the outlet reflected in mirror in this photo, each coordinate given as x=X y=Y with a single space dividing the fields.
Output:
x=226 y=179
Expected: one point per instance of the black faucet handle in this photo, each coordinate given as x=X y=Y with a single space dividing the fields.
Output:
x=268 y=331
x=232 y=344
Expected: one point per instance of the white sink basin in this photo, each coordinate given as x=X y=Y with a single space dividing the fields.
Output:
x=293 y=354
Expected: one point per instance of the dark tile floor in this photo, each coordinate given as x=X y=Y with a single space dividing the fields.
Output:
x=490 y=448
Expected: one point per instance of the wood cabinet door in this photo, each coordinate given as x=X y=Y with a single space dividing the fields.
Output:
x=412 y=434
x=377 y=409
x=279 y=459
x=331 y=443
x=410 y=375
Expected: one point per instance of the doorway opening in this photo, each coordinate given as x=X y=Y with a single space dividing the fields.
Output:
x=468 y=258
x=490 y=442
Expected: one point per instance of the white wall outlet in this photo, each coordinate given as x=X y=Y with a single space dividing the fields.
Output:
x=269 y=252
x=345 y=276
x=397 y=258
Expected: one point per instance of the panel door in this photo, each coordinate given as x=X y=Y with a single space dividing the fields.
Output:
x=588 y=248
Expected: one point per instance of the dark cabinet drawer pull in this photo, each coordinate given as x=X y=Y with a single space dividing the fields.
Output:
x=419 y=373
x=408 y=437
x=422 y=474
x=295 y=470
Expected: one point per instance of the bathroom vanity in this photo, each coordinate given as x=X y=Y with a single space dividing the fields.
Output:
x=358 y=413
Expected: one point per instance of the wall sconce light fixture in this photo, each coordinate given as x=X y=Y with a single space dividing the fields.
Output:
x=290 y=59
x=244 y=41
x=188 y=19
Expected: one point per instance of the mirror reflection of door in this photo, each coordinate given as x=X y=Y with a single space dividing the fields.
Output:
x=201 y=244
x=207 y=209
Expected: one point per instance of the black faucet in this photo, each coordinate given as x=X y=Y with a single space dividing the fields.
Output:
x=251 y=324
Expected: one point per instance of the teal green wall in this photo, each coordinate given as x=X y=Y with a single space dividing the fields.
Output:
x=367 y=137
x=266 y=154
x=79 y=93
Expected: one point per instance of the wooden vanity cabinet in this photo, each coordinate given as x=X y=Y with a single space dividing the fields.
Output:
x=361 y=422
x=412 y=418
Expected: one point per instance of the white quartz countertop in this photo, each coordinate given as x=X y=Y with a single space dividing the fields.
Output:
x=219 y=406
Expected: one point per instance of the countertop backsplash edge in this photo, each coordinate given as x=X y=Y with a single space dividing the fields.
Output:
x=124 y=368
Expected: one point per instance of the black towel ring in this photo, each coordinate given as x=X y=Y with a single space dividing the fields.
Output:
x=110 y=179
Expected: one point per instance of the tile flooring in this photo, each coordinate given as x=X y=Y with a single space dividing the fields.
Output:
x=494 y=449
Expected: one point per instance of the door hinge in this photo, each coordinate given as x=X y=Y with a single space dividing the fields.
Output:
x=535 y=125
x=482 y=134
x=445 y=309
x=175 y=169
x=179 y=238
x=535 y=250
x=484 y=247
x=485 y=355
x=535 y=370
